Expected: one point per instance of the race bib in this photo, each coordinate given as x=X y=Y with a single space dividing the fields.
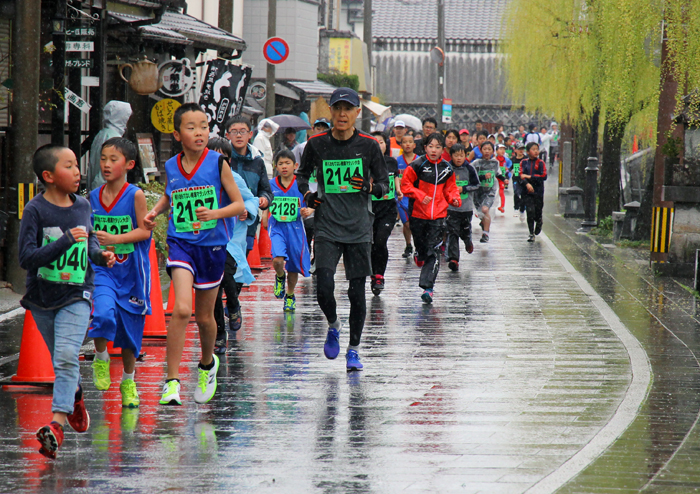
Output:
x=460 y=184
x=484 y=182
x=115 y=225
x=337 y=173
x=516 y=169
x=185 y=203
x=285 y=209
x=70 y=267
x=392 y=190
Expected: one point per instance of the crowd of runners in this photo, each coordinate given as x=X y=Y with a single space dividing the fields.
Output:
x=339 y=194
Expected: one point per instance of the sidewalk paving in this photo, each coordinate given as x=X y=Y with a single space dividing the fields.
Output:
x=510 y=381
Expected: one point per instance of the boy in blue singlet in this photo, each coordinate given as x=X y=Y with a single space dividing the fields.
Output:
x=290 y=249
x=202 y=193
x=122 y=294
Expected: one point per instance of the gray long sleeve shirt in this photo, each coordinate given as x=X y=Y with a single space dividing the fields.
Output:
x=467 y=180
x=43 y=221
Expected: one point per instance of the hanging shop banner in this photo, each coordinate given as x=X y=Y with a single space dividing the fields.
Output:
x=223 y=92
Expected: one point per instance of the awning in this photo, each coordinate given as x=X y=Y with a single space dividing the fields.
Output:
x=281 y=90
x=179 y=28
x=375 y=108
x=313 y=89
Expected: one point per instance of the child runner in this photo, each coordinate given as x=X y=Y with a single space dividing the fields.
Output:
x=408 y=157
x=518 y=204
x=505 y=165
x=236 y=246
x=55 y=240
x=488 y=170
x=451 y=138
x=465 y=139
x=459 y=218
x=430 y=183
x=344 y=161
x=384 y=210
x=476 y=151
x=122 y=294
x=290 y=251
x=202 y=192
x=533 y=173
x=400 y=131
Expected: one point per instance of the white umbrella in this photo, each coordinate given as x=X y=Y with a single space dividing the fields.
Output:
x=409 y=120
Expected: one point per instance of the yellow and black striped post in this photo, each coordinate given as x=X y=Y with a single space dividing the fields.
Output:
x=661 y=231
x=25 y=193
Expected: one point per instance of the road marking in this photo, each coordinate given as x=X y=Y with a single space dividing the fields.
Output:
x=628 y=408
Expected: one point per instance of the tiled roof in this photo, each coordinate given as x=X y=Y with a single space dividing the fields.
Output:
x=180 y=28
x=477 y=20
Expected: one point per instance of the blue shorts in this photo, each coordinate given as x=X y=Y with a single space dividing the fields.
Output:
x=291 y=244
x=113 y=323
x=403 y=209
x=205 y=263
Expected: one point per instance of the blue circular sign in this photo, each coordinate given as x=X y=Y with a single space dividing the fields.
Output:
x=275 y=50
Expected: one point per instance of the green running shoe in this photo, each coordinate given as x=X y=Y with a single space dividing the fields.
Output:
x=290 y=303
x=100 y=374
x=171 y=393
x=130 y=396
x=206 y=385
x=279 y=286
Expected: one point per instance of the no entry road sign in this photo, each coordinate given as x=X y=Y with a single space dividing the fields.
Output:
x=275 y=50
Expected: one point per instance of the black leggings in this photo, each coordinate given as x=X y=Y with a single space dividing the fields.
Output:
x=383 y=225
x=356 y=294
x=533 y=205
x=228 y=284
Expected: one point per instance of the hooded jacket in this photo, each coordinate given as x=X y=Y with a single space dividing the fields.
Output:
x=424 y=178
x=116 y=116
x=263 y=144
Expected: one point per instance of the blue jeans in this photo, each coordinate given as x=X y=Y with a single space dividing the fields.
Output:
x=63 y=331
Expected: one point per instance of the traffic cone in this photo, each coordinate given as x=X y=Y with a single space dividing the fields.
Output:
x=265 y=245
x=35 y=367
x=254 y=261
x=155 y=321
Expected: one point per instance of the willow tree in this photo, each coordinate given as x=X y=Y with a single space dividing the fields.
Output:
x=584 y=62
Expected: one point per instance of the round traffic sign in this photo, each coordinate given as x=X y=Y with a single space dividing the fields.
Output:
x=275 y=50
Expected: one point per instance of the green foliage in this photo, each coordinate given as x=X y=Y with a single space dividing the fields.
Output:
x=570 y=57
x=672 y=147
x=339 y=79
x=633 y=244
x=605 y=227
x=154 y=190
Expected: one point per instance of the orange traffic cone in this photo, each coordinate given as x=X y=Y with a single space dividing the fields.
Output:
x=35 y=367
x=254 y=261
x=155 y=322
x=265 y=245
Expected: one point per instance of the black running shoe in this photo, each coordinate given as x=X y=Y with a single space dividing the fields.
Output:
x=407 y=251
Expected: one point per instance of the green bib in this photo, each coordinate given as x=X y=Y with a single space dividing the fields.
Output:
x=392 y=190
x=70 y=267
x=460 y=184
x=185 y=203
x=337 y=174
x=285 y=209
x=115 y=225
x=516 y=169
x=484 y=182
x=312 y=178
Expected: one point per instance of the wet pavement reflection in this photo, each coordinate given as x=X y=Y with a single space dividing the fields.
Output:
x=508 y=374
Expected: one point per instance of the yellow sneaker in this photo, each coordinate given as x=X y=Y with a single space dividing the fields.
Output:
x=130 y=396
x=100 y=374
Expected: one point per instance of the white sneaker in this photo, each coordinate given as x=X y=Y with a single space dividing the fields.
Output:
x=171 y=394
x=206 y=385
x=522 y=217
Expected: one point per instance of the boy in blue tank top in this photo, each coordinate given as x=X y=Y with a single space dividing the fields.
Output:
x=122 y=296
x=200 y=194
x=290 y=249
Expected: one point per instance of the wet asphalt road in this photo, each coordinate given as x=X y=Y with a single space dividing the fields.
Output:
x=498 y=386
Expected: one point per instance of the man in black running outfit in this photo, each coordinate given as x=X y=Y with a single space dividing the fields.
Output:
x=349 y=168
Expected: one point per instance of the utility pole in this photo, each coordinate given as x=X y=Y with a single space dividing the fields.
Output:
x=271 y=33
x=226 y=15
x=441 y=67
x=25 y=120
x=367 y=37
